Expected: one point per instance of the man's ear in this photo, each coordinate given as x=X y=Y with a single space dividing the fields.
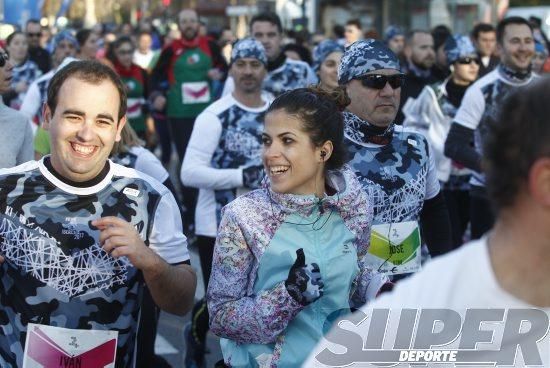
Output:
x=46 y=116
x=539 y=181
x=121 y=124
x=407 y=51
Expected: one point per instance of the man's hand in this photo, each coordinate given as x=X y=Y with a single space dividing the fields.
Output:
x=119 y=238
x=21 y=87
x=159 y=103
x=215 y=74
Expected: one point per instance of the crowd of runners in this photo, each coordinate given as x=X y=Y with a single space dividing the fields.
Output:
x=315 y=174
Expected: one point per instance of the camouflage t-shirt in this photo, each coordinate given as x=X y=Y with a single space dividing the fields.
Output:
x=226 y=138
x=398 y=177
x=480 y=107
x=56 y=273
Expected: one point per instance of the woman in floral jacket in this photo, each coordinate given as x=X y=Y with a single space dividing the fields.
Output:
x=289 y=256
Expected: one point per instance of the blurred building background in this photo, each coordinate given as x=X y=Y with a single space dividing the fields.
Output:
x=317 y=16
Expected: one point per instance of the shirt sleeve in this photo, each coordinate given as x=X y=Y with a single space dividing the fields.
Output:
x=149 y=164
x=471 y=109
x=197 y=170
x=166 y=237
x=234 y=314
x=417 y=114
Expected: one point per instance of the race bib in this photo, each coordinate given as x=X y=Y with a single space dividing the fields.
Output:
x=195 y=92
x=49 y=346
x=134 y=107
x=395 y=248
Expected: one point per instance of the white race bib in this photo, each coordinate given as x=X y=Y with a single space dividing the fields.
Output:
x=49 y=346
x=195 y=92
x=395 y=248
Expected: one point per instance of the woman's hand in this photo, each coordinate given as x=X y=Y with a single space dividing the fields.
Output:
x=304 y=282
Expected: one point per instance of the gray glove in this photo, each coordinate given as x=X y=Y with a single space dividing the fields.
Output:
x=252 y=176
x=304 y=282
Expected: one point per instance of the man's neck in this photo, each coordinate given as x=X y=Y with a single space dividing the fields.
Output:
x=252 y=100
x=519 y=254
x=418 y=70
x=276 y=62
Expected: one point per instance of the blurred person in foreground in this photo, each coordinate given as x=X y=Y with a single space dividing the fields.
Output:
x=503 y=272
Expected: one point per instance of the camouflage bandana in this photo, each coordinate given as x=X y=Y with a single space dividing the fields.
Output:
x=362 y=131
x=391 y=32
x=363 y=57
x=457 y=47
x=248 y=48
x=323 y=50
x=64 y=36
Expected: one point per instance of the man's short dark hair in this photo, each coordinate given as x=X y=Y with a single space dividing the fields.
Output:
x=354 y=22
x=89 y=71
x=501 y=27
x=32 y=21
x=482 y=28
x=410 y=35
x=267 y=17
x=516 y=140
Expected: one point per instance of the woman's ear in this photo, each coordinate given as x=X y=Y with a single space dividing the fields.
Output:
x=325 y=151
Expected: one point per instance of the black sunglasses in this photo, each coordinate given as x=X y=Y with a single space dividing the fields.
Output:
x=4 y=57
x=378 y=81
x=468 y=60
x=31 y=34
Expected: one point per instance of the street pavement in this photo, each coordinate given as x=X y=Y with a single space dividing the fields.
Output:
x=170 y=342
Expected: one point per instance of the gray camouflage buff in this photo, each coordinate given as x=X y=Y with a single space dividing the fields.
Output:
x=457 y=47
x=394 y=175
x=363 y=57
x=56 y=273
x=248 y=48
x=323 y=50
x=287 y=77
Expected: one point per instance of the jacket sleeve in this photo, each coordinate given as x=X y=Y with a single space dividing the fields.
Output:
x=234 y=313
x=218 y=61
x=196 y=169
x=159 y=75
x=458 y=147
x=368 y=282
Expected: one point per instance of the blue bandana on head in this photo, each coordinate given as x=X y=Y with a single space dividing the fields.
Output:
x=363 y=57
x=64 y=36
x=457 y=47
x=248 y=48
x=540 y=48
x=391 y=32
x=324 y=49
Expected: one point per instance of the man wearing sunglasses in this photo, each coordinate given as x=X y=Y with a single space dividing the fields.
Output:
x=479 y=108
x=395 y=166
x=40 y=56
